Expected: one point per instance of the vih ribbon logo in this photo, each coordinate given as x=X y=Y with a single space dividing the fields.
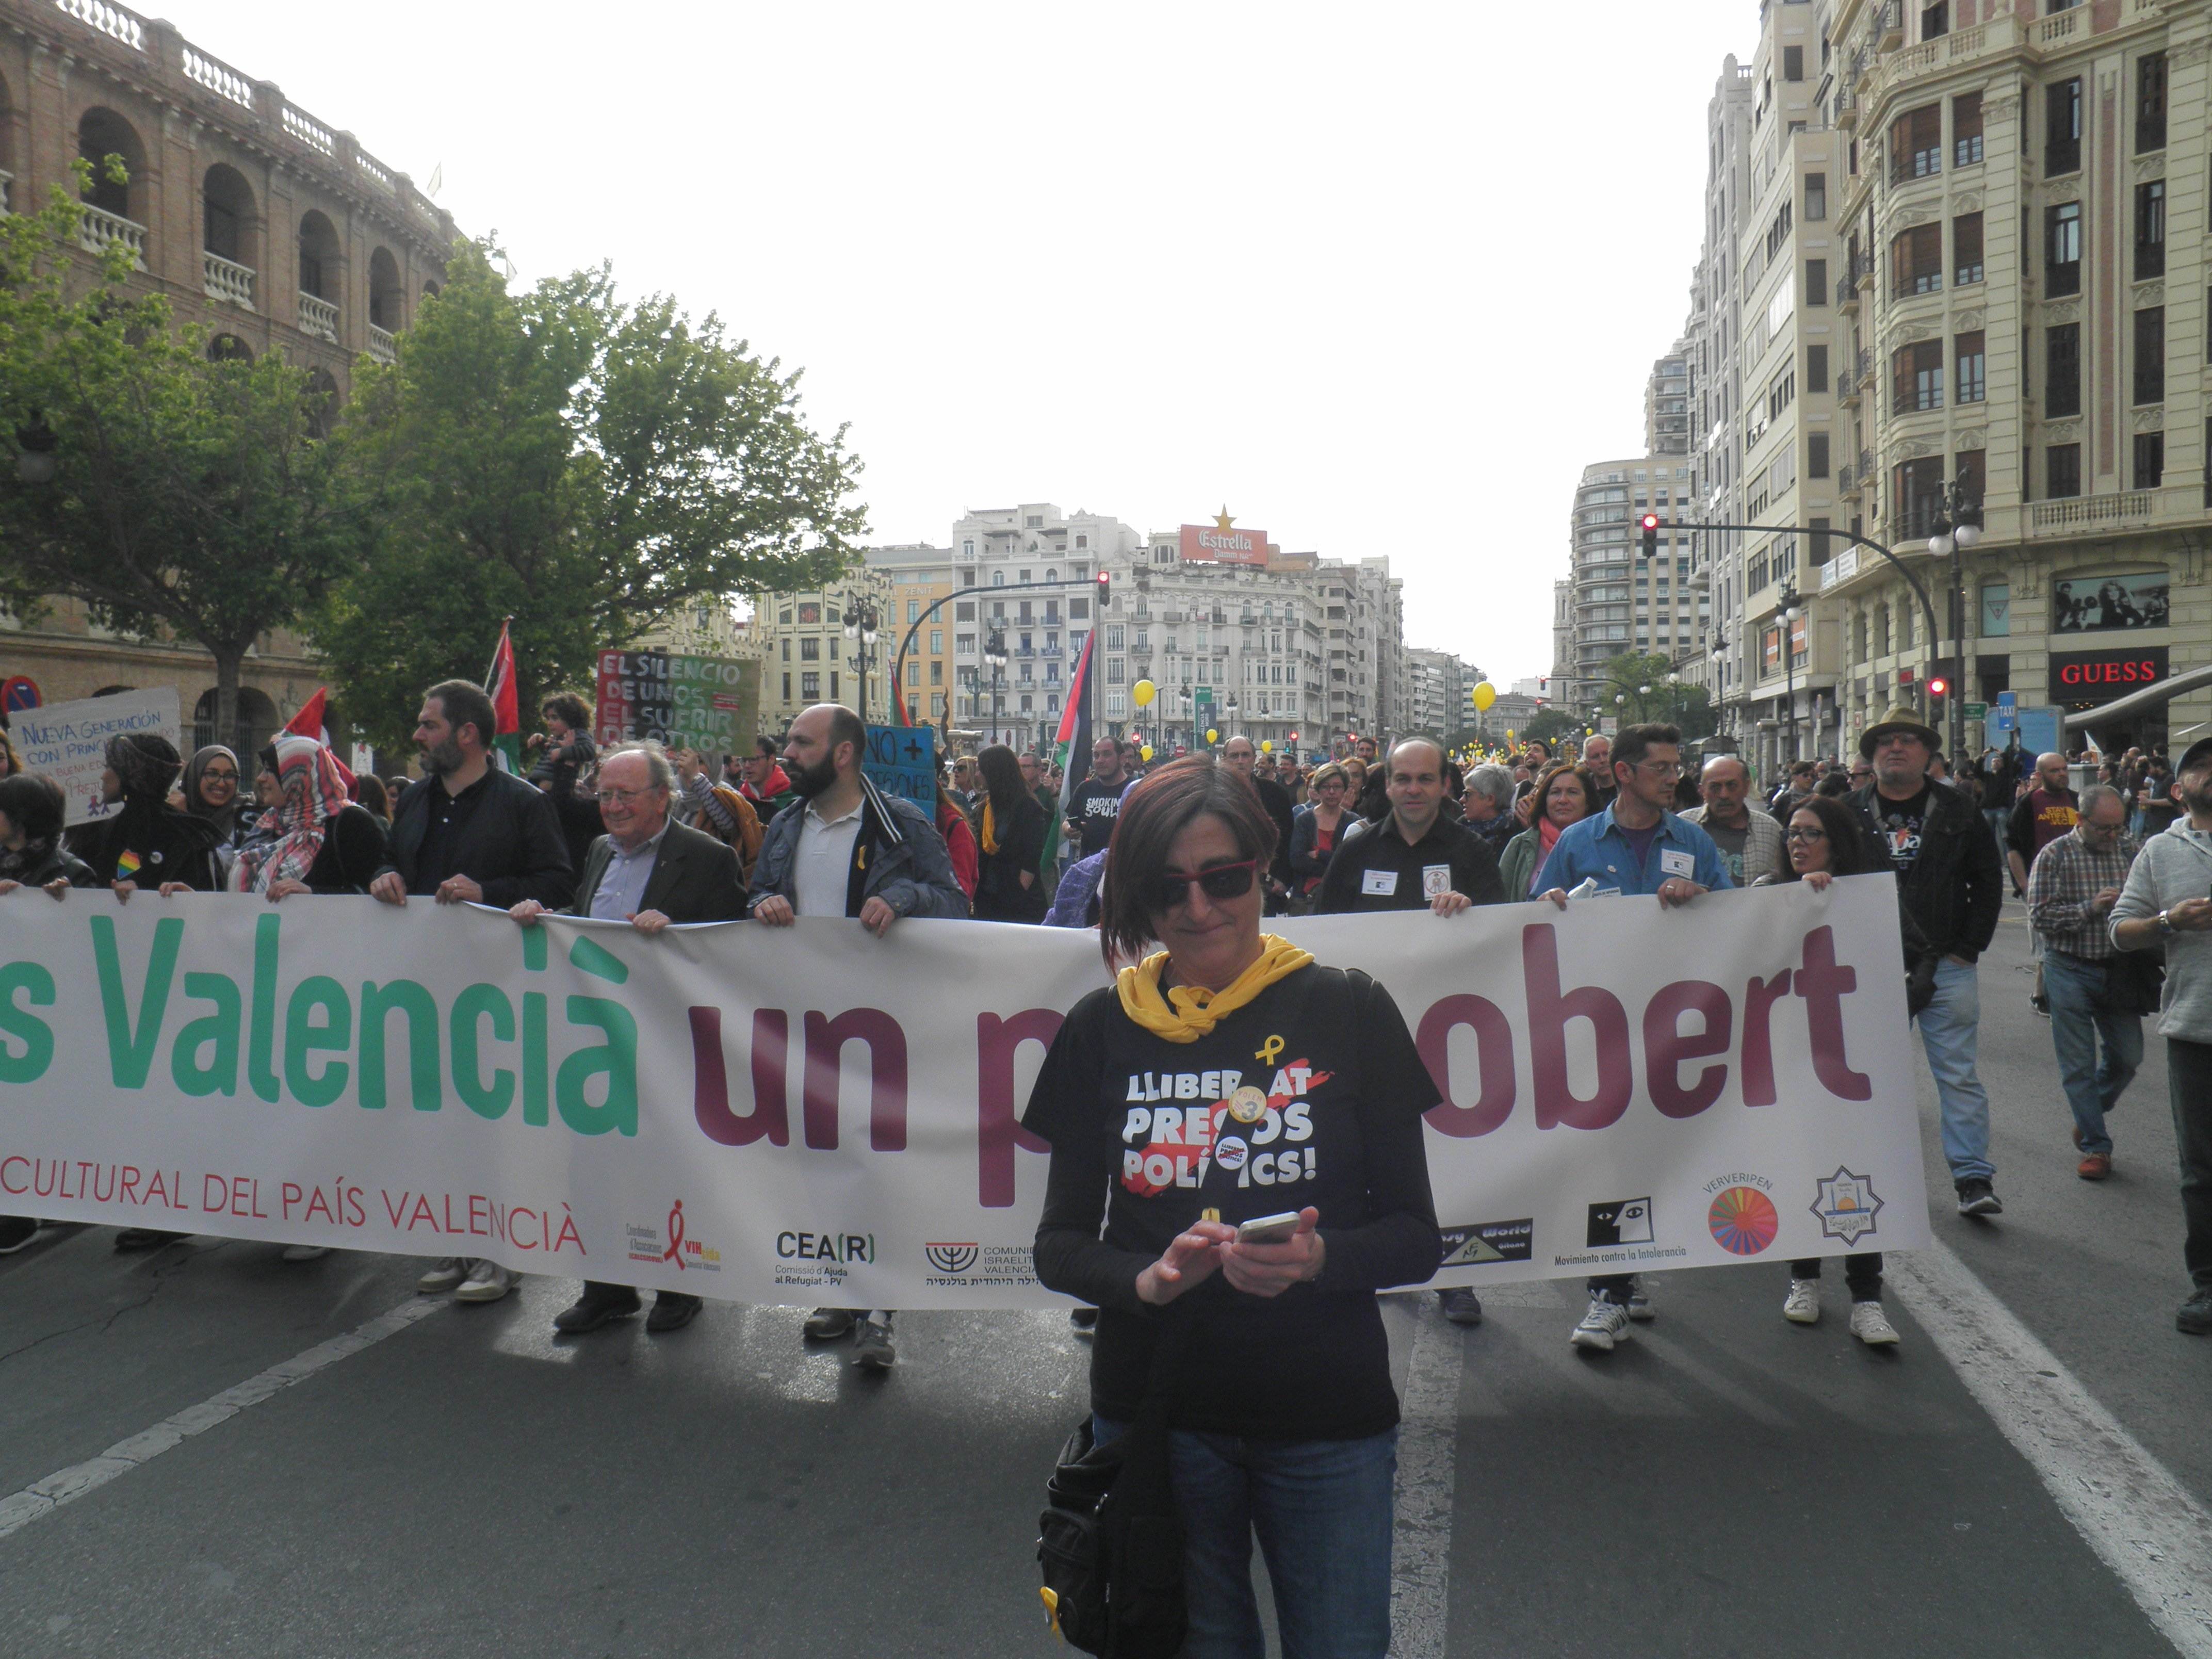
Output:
x=675 y=1251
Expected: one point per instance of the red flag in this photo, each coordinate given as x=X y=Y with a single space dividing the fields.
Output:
x=310 y=722
x=507 y=740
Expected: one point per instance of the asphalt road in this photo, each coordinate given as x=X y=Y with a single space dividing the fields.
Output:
x=1725 y=1484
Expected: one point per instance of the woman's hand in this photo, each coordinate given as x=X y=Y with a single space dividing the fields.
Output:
x=1818 y=880
x=1270 y=1269
x=1189 y=1258
x=171 y=888
x=1524 y=810
x=285 y=889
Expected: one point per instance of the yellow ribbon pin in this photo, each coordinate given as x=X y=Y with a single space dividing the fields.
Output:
x=1266 y=1052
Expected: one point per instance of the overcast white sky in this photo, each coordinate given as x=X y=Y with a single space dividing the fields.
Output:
x=1382 y=279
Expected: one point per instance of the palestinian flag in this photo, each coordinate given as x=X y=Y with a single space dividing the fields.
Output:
x=311 y=722
x=898 y=699
x=506 y=742
x=1072 y=747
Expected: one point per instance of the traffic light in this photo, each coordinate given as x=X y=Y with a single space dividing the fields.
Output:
x=1103 y=579
x=1938 y=686
x=1649 y=525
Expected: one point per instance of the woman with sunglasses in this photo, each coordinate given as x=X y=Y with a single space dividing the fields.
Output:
x=1223 y=1077
x=1824 y=840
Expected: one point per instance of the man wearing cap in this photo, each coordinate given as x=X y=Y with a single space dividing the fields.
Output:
x=2164 y=904
x=1953 y=883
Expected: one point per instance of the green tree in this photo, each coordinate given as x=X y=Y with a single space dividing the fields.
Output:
x=580 y=464
x=1550 y=724
x=178 y=494
x=1646 y=683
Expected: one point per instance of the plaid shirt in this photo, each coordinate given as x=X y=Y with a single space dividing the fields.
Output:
x=2069 y=873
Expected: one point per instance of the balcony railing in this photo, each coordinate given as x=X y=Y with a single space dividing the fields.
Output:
x=319 y=316
x=99 y=229
x=226 y=279
x=380 y=345
x=2083 y=510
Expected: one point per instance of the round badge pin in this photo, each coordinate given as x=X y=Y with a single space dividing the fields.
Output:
x=1247 y=1104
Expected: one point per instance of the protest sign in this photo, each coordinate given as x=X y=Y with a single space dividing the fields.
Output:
x=902 y=761
x=711 y=704
x=810 y=1115
x=68 y=741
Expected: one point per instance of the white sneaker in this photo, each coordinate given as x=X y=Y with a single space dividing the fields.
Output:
x=1605 y=1324
x=443 y=1277
x=309 y=1253
x=1871 y=1326
x=1803 y=1306
x=486 y=1282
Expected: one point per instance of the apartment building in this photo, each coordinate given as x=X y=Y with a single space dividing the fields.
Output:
x=919 y=576
x=807 y=656
x=2024 y=310
x=1621 y=601
x=1667 y=403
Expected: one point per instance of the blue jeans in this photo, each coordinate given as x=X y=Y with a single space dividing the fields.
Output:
x=1324 y=1513
x=2083 y=1018
x=1948 y=1028
x=1997 y=817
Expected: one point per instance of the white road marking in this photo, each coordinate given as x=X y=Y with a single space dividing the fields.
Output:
x=1428 y=1460
x=2124 y=1502
x=42 y=1497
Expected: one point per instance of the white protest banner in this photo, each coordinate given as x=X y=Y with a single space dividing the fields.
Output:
x=811 y=1115
x=68 y=741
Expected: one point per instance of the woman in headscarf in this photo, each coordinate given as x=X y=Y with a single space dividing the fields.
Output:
x=320 y=842
x=211 y=792
x=148 y=842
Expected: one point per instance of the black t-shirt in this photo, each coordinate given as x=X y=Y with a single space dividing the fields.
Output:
x=1377 y=870
x=1901 y=823
x=1092 y=811
x=1146 y=1134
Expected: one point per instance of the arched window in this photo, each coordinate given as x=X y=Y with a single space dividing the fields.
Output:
x=226 y=214
x=228 y=349
x=255 y=725
x=318 y=257
x=102 y=133
x=384 y=296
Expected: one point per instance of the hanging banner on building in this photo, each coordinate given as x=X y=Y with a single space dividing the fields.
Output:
x=68 y=741
x=711 y=704
x=812 y=1115
x=2092 y=604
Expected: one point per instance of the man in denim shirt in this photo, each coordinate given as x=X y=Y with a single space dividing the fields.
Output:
x=1636 y=845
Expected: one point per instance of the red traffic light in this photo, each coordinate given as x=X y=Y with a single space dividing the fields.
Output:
x=1648 y=524
x=1103 y=580
x=1937 y=688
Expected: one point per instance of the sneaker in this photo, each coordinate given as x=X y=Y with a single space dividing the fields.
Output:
x=443 y=1277
x=15 y=1233
x=1977 y=1197
x=486 y=1282
x=2094 y=1167
x=599 y=1304
x=1802 y=1305
x=1640 y=1306
x=1084 y=1320
x=1605 y=1324
x=306 y=1252
x=1461 y=1306
x=2196 y=1315
x=828 y=1324
x=871 y=1348
x=1871 y=1325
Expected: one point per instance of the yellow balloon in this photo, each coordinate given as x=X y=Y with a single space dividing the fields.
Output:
x=1267 y=745
x=1144 y=691
x=1146 y=751
x=1485 y=694
x=1212 y=735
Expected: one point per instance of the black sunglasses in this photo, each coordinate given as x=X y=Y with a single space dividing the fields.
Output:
x=1221 y=881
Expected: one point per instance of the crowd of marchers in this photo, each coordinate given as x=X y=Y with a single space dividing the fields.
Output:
x=1174 y=869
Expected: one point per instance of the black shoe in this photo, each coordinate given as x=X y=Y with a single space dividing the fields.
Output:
x=15 y=1233
x=1084 y=1320
x=671 y=1311
x=828 y=1324
x=598 y=1304
x=1461 y=1306
x=145 y=1239
x=2196 y=1315
x=1979 y=1198
x=871 y=1348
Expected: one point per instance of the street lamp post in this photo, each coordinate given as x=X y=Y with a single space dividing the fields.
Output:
x=1958 y=527
x=1788 y=614
x=995 y=658
x=860 y=627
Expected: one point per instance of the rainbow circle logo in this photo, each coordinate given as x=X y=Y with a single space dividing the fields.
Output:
x=1743 y=1220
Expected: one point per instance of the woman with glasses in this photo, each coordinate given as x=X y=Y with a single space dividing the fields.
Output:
x=1227 y=1078
x=1824 y=840
x=1314 y=831
x=212 y=790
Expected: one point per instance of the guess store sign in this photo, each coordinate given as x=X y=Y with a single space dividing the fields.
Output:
x=2083 y=679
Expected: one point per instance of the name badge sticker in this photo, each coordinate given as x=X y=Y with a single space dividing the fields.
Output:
x=1436 y=880
x=1673 y=862
x=1380 y=882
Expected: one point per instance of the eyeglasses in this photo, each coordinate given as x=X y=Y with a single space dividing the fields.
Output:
x=1794 y=833
x=1661 y=768
x=625 y=798
x=213 y=777
x=1220 y=881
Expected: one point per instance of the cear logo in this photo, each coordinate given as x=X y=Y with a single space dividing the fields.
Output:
x=951 y=1258
x=826 y=1247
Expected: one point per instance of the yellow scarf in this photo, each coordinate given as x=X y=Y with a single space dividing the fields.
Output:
x=990 y=830
x=1186 y=1012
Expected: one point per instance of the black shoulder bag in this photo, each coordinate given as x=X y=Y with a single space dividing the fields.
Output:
x=1110 y=1539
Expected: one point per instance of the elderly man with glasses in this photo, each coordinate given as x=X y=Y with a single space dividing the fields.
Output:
x=2071 y=890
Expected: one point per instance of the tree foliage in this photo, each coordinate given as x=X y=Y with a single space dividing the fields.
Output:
x=582 y=465
x=189 y=497
x=1643 y=681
